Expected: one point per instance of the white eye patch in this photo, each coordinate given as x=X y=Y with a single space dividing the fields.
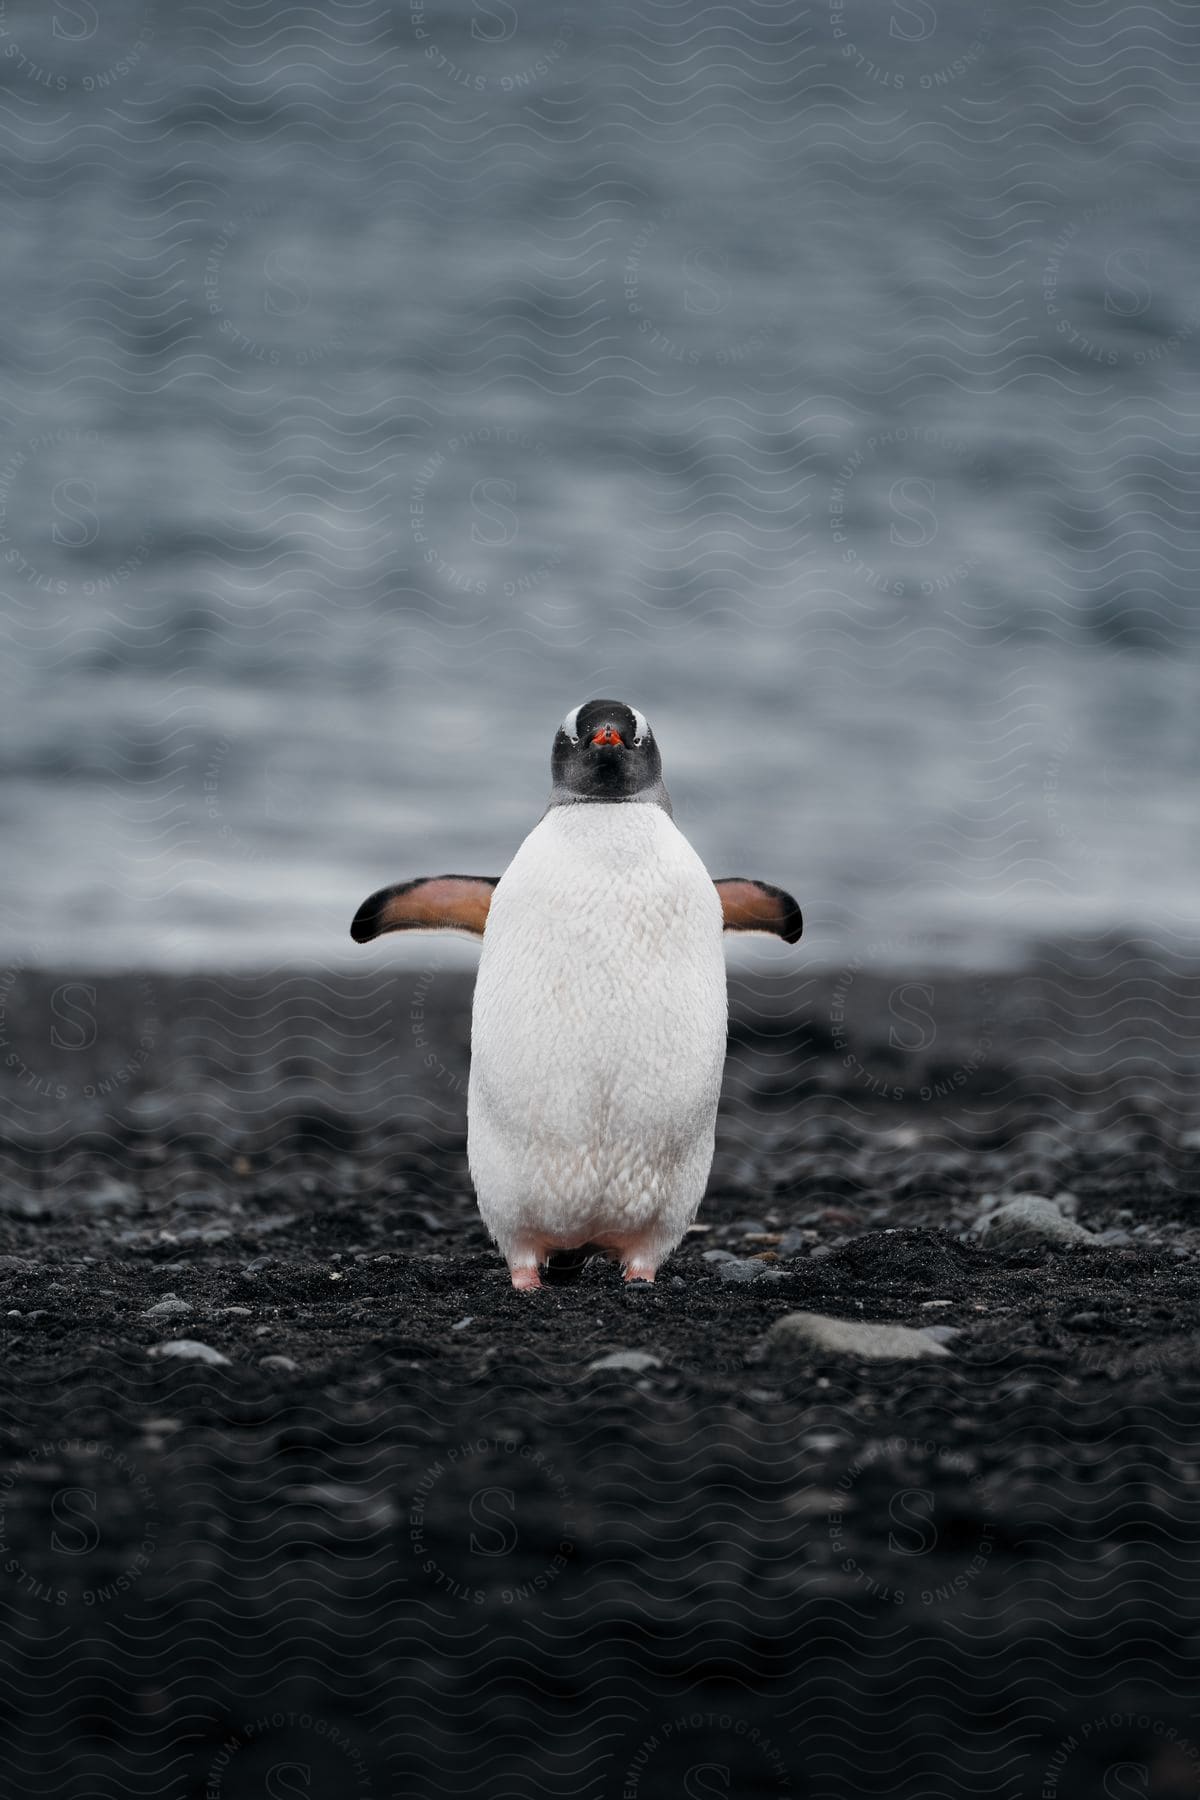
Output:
x=571 y=722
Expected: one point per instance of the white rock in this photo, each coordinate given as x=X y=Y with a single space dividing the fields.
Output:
x=629 y=1362
x=191 y=1350
x=1030 y=1219
x=797 y=1331
x=170 y=1303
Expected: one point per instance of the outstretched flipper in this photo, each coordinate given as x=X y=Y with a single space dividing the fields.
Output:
x=434 y=903
x=754 y=906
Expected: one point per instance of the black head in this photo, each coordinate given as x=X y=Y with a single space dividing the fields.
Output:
x=604 y=750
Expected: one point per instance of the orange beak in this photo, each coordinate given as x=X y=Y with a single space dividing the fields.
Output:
x=608 y=734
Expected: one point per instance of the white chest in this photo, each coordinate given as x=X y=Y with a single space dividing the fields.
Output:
x=602 y=977
x=598 y=1035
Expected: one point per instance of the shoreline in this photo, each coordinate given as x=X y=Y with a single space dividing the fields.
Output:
x=395 y=1523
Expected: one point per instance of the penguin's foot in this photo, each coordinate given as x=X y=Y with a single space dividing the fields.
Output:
x=638 y=1270
x=525 y=1276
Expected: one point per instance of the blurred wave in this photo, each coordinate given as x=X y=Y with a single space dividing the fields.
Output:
x=382 y=381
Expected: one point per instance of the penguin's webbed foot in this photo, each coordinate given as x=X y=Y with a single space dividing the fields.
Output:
x=525 y=1277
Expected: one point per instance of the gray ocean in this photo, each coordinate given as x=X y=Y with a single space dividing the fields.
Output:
x=380 y=379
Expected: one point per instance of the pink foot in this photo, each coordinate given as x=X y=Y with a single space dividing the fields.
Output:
x=637 y=1271
x=526 y=1277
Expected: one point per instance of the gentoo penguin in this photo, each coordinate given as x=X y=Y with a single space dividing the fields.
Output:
x=598 y=1027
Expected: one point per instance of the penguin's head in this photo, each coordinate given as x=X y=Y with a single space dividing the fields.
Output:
x=604 y=750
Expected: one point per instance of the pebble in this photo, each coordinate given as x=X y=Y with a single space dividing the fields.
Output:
x=170 y=1303
x=752 y=1270
x=461 y=1324
x=795 y=1332
x=629 y=1362
x=718 y=1256
x=793 y=1242
x=191 y=1350
x=109 y=1196
x=1030 y=1219
x=277 y=1362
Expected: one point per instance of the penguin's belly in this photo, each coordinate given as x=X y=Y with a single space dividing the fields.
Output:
x=598 y=1034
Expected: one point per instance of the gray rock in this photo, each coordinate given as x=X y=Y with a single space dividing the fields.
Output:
x=191 y=1350
x=1028 y=1220
x=718 y=1256
x=277 y=1362
x=628 y=1362
x=746 y=1271
x=163 y=1309
x=793 y=1243
x=796 y=1332
x=109 y=1196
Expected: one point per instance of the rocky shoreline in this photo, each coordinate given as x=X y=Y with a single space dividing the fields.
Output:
x=294 y=1489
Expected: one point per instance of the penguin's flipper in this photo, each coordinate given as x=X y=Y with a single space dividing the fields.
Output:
x=434 y=903
x=755 y=906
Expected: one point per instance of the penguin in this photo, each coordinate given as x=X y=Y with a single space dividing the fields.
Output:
x=599 y=1020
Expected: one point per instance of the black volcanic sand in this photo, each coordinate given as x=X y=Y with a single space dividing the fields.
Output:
x=406 y=1539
